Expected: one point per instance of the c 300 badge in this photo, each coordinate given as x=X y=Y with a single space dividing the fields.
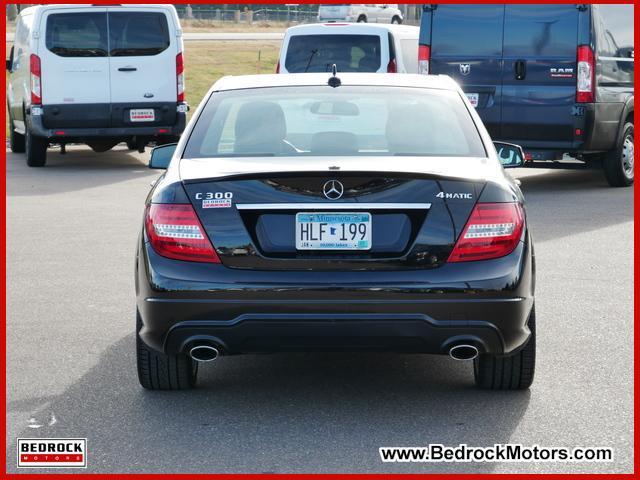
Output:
x=215 y=199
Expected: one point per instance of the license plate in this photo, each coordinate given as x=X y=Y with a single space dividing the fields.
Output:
x=473 y=99
x=333 y=231
x=142 y=115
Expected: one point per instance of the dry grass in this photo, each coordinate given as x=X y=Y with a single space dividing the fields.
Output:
x=206 y=62
x=198 y=25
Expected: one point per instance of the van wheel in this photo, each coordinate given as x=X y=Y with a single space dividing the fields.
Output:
x=16 y=140
x=132 y=145
x=36 y=149
x=362 y=19
x=618 y=164
x=396 y=20
x=157 y=371
x=513 y=372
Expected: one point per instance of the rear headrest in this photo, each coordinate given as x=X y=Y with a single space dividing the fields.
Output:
x=410 y=133
x=334 y=143
x=260 y=128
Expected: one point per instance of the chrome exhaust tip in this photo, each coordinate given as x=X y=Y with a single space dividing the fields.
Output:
x=463 y=352
x=204 y=353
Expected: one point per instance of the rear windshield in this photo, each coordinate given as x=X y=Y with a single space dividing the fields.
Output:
x=316 y=53
x=468 y=30
x=77 y=34
x=85 y=34
x=325 y=121
x=137 y=33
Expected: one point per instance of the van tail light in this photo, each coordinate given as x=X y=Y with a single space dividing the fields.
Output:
x=392 y=67
x=493 y=230
x=278 y=67
x=35 y=80
x=586 y=74
x=175 y=232
x=180 y=76
x=424 y=58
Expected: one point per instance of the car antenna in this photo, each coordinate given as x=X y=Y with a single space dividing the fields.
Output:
x=334 y=81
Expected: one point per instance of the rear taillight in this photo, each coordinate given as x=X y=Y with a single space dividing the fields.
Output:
x=493 y=230
x=35 y=80
x=180 y=76
x=278 y=67
x=175 y=232
x=392 y=67
x=586 y=74
x=424 y=57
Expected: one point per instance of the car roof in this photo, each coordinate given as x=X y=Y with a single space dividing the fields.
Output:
x=328 y=28
x=441 y=82
x=57 y=6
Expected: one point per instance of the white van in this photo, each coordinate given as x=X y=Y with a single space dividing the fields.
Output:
x=362 y=13
x=98 y=75
x=351 y=47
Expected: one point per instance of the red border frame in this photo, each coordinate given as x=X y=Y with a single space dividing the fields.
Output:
x=3 y=334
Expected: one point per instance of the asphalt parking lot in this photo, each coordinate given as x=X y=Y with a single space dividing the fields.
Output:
x=71 y=233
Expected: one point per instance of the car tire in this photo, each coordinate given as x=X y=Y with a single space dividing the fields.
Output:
x=132 y=145
x=396 y=20
x=157 y=371
x=619 y=163
x=362 y=19
x=36 y=149
x=16 y=140
x=512 y=372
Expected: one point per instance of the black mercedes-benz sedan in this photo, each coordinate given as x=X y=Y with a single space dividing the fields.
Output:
x=335 y=212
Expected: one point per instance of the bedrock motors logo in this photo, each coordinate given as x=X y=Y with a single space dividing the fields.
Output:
x=52 y=452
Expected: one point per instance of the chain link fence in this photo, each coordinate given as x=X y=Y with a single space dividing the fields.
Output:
x=213 y=14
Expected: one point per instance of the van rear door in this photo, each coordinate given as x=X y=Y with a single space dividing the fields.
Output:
x=539 y=75
x=143 y=48
x=466 y=44
x=74 y=63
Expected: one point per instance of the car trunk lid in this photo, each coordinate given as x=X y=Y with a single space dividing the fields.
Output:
x=415 y=219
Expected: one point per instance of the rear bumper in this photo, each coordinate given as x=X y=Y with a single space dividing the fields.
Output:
x=78 y=133
x=422 y=311
x=599 y=124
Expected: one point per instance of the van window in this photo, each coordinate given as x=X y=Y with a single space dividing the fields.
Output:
x=468 y=30
x=77 y=34
x=137 y=33
x=551 y=30
x=615 y=30
x=350 y=53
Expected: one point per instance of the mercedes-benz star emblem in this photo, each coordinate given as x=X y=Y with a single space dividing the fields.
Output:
x=333 y=189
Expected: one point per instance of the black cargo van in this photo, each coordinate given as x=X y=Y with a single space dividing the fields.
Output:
x=555 y=79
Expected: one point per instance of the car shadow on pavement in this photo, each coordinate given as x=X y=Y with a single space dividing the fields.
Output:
x=561 y=180
x=576 y=202
x=278 y=413
x=78 y=169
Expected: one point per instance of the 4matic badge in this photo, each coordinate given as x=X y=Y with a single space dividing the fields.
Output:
x=215 y=199
x=463 y=196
